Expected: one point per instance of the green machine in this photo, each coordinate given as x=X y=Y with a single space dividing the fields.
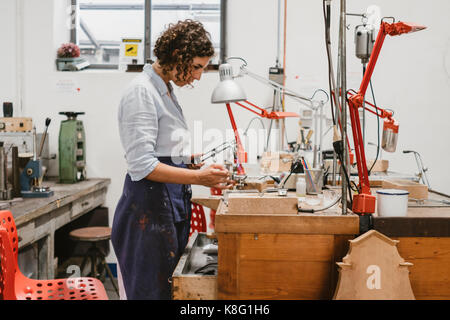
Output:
x=72 y=149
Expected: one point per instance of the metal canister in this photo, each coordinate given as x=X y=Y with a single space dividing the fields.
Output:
x=390 y=135
x=364 y=40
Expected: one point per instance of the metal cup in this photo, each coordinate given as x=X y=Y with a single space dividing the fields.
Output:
x=390 y=136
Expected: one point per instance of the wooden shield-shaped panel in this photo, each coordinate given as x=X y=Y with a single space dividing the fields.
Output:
x=373 y=270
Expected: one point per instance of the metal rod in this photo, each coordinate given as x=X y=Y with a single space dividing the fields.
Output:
x=278 y=34
x=15 y=171
x=34 y=144
x=147 y=31
x=343 y=104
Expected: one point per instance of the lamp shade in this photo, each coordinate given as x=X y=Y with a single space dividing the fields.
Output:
x=227 y=90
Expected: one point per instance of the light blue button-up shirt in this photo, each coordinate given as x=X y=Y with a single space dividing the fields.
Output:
x=151 y=124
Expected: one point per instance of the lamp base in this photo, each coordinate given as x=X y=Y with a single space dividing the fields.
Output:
x=363 y=203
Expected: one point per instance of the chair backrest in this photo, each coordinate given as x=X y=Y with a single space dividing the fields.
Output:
x=7 y=267
x=7 y=222
x=198 y=219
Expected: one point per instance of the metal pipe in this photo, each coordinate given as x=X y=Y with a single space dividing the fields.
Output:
x=15 y=171
x=343 y=90
x=34 y=144
x=147 y=31
x=278 y=34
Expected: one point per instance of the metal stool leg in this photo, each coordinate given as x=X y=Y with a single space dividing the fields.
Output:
x=83 y=263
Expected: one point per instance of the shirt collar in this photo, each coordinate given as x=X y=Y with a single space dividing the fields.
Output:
x=157 y=81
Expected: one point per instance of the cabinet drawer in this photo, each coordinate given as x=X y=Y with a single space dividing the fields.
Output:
x=187 y=282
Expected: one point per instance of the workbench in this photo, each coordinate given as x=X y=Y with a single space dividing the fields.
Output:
x=293 y=256
x=37 y=219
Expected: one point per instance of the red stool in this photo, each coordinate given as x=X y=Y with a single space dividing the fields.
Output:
x=198 y=220
x=15 y=286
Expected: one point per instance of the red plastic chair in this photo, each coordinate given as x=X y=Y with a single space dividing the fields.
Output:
x=198 y=220
x=15 y=286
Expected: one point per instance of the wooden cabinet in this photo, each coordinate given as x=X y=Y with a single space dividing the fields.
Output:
x=281 y=256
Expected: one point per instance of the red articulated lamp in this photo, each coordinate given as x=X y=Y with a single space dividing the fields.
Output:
x=228 y=91
x=364 y=202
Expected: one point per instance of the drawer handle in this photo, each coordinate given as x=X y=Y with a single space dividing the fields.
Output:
x=86 y=203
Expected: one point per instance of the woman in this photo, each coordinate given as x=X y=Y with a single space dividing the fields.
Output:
x=152 y=219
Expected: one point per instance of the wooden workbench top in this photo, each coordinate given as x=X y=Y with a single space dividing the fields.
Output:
x=32 y=208
x=327 y=222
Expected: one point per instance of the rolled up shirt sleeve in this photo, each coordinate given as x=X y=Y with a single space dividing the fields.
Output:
x=138 y=129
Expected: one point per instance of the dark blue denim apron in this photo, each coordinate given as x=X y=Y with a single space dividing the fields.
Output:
x=149 y=233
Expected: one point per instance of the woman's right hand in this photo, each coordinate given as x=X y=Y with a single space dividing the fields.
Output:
x=214 y=176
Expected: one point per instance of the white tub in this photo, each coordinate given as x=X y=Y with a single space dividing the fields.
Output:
x=392 y=202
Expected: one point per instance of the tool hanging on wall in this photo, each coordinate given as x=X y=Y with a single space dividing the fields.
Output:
x=32 y=175
x=72 y=151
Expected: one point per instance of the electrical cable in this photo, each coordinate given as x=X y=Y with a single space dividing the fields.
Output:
x=250 y=122
x=327 y=43
x=321 y=209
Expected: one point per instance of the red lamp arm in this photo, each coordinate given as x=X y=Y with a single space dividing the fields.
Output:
x=364 y=202
x=241 y=154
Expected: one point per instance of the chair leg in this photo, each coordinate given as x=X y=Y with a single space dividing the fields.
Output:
x=108 y=270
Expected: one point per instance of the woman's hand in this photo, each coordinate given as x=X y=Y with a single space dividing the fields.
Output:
x=215 y=176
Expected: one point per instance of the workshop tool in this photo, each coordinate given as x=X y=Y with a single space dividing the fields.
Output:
x=47 y=123
x=214 y=151
x=72 y=151
x=31 y=176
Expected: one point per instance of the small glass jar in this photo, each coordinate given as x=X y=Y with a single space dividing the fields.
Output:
x=300 y=187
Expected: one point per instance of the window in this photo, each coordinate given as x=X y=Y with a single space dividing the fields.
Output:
x=100 y=26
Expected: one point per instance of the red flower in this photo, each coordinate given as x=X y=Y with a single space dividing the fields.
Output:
x=68 y=50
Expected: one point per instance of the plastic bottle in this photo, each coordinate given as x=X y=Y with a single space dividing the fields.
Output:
x=300 y=187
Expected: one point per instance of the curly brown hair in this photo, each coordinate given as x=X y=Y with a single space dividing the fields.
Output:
x=179 y=44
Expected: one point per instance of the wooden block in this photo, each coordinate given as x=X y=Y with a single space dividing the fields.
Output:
x=257 y=184
x=211 y=202
x=241 y=203
x=416 y=190
x=273 y=162
x=380 y=165
x=373 y=270
x=287 y=223
x=375 y=182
